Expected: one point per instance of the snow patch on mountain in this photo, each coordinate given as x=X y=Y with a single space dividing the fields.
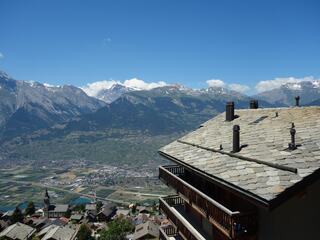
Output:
x=47 y=85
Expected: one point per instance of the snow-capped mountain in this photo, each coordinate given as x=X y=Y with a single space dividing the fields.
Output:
x=114 y=92
x=28 y=105
x=109 y=91
x=308 y=91
x=162 y=110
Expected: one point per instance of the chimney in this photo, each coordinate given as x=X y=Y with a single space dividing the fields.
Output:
x=236 y=139
x=229 y=111
x=254 y=104
x=297 y=98
x=292 y=145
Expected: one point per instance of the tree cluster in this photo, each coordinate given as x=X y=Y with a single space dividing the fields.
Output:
x=117 y=230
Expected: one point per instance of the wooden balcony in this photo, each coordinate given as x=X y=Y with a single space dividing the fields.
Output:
x=232 y=224
x=167 y=232
x=184 y=230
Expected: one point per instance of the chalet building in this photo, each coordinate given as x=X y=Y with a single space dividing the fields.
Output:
x=58 y=211
x=250 y=174
x=91 y=207
x=108 y=210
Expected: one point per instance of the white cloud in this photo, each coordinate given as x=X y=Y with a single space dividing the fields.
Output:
x=142 y=85
x=268 y=85
x=215 y=83
x=233 y=86
x=1 y=55
x=239 y=87
x=92 y=89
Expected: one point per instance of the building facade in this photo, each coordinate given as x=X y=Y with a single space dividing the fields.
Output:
x=53 y=211
x=246 y=174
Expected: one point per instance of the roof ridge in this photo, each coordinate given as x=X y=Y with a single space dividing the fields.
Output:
x=273 y=165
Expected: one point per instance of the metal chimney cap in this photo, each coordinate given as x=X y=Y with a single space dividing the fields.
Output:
x=236 y=128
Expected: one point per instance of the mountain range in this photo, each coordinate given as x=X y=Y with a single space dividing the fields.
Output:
x=309 y=91
x=118 y=124
x=27 y=106
x=161 y=110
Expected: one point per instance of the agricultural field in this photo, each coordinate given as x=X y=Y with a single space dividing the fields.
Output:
x=23 y=184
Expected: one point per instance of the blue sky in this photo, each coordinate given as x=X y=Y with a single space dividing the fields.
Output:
x=176 y=41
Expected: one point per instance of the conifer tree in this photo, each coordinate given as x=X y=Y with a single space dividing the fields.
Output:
x=84 y=233
x=30 y=209
x=17 y=216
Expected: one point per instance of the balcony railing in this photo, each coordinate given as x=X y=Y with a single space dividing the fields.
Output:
x=184 y=228
x=168 y=231
x=231 y=223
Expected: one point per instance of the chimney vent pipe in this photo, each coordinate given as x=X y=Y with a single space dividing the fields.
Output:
x=254 y=104
x=229 y=111
x=292 y=145
x=297 y=98
x=236 y=139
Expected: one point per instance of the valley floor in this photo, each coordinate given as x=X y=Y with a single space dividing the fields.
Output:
x=120 y=185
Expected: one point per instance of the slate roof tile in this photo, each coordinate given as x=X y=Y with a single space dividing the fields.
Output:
x=266 y=141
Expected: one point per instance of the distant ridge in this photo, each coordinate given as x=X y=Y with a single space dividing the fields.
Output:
x=26 y=106
x=308 y=91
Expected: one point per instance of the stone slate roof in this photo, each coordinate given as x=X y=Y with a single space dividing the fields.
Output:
x=46 y=229
x=267 y=134
x=146 y=230
x=18 y=231
x=107 y=212
x=109 y=205
x=59 y=208
x=56 y=222
x=91 y=207
x=76 y=217
x=60 y=233
x=123 y=212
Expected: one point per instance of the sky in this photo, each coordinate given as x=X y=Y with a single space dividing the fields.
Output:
x=237 y=44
